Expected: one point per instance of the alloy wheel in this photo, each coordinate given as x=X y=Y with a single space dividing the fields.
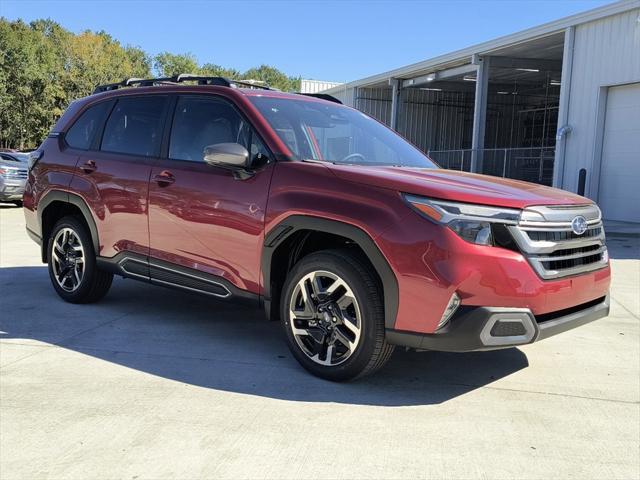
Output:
x=325 y=318
x=67 y=257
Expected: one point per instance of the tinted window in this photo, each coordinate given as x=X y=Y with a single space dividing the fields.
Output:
x=135 y=126
x=249 y=139
x=199 y=122
x=81 y=134
x=259 y=153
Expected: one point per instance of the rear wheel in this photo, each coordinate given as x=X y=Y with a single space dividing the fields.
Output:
x=72 y=263
x=334 y=317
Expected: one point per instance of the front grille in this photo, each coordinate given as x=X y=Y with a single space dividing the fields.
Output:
x=558 y=236
x=571 y=263
x=14 y=173
x=568 y=311
x=572 y=251
x=545 y=237
x=507 y=329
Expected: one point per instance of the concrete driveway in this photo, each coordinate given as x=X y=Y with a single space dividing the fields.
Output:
x=155 y=383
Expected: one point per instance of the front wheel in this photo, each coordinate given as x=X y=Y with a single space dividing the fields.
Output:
x=333 y=316
x=72 y=263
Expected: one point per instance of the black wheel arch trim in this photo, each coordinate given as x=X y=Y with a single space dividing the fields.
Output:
x=75 y=200
x=294 y=223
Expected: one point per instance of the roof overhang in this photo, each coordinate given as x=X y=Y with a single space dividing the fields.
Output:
x=516 y=46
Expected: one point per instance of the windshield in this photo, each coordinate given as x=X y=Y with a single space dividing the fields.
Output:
x=333 y=133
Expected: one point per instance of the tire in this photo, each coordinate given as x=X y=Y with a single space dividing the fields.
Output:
x=76 y=250
x=344 y=308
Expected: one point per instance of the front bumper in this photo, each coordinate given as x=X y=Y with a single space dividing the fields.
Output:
x=11 y=191
x=491 y=328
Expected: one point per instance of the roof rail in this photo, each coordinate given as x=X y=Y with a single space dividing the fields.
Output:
x=183 y=77
x=323 y=96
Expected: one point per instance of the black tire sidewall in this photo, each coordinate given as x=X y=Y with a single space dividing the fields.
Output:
x=359 y=360
x=82 y=291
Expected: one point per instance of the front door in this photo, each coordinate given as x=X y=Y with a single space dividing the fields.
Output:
x=204 y=219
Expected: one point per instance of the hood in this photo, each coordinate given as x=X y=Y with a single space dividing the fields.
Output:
x=458 y=186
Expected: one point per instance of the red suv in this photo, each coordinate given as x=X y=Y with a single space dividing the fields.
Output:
x=337 y=226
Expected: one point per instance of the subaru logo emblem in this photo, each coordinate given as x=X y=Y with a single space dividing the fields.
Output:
x=579 y=225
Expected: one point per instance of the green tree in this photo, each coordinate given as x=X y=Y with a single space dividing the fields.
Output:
x=30 y=95
x=139 y=60
x=44 y=67
x=213 y=70
x=273 y=77
x=168 y=64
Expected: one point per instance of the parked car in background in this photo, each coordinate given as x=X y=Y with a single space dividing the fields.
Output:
x=14 y=167
x=336 y=225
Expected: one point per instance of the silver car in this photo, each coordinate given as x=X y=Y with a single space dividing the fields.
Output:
x=14 y=168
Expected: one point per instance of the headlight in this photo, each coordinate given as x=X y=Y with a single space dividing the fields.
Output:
x=471 y=222
x=472 y=231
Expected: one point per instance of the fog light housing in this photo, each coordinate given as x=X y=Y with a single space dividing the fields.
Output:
x=452 y=306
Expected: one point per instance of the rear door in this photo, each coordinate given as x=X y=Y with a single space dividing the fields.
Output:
x=114 y=176
x=205 y=220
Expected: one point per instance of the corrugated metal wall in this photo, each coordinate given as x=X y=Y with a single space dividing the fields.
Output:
x=606 y=53
x=439 y=120
x=315 y=86
x=345 y=95
x=436 y=120
x=375 y=102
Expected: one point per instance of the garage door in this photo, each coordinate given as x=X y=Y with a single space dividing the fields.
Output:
x=619 y=193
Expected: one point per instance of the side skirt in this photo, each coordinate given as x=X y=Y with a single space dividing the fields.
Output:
x=157 y=272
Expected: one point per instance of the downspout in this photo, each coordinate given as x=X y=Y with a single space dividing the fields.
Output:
x=563 y=108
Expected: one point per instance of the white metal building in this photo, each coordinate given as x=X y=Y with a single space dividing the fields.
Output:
x=315 y=86
x=555 y=104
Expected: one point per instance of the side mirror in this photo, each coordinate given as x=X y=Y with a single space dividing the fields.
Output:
x=228 y=155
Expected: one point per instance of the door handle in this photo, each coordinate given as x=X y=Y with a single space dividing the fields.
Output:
x=164 y=178
x=89 y=166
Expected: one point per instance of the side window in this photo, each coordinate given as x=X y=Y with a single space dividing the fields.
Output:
x=81 y=133
x=258 y=152
x=135 y=126
x=199 y=122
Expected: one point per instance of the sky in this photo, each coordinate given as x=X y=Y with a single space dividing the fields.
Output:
x=324 y=40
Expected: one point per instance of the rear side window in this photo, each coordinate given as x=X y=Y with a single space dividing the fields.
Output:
x=135 y=126
x=81 y=134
